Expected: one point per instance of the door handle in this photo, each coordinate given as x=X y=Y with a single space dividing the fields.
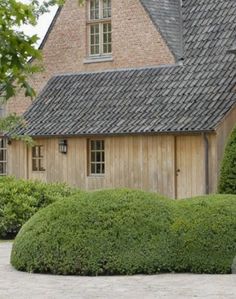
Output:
x=177 y=172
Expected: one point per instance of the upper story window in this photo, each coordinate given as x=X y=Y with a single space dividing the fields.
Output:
x=100 y=28
x=38 y=158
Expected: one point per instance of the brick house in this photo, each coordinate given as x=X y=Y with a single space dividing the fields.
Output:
x=137 y=93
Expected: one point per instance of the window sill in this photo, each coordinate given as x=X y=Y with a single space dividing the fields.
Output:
x=98 y=59
x=96 y=176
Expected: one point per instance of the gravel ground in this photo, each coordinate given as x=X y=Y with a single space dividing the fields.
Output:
x=19 y=285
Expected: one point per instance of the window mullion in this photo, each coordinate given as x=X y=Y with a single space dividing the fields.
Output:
x=101 y=38
x=100 y=9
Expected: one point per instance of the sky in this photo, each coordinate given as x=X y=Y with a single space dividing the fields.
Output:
x=42 y=26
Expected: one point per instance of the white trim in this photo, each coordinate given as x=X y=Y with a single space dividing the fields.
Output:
x=97 y=59
x=101 y=21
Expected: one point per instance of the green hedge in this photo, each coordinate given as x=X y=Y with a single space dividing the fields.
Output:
x=205 y=234
x=227 y=183
x=20 y=199
x=129 y=232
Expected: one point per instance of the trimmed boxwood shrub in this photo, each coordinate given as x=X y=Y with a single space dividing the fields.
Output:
x=205 y=234
x=129 y=232
x=227 y=183
x=103 y=232
x=20 y=199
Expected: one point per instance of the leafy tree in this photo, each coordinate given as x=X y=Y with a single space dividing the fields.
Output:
x=227 y=184
x=16 y=48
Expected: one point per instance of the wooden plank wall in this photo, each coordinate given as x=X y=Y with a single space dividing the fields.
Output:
x=223 y=133
x=143 y=162
x=17 y=159
x=190 y=164
x=213 y=163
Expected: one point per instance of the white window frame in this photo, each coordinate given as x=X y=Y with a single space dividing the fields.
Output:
x=100 y=21
x=90 y=162
x=38 y=158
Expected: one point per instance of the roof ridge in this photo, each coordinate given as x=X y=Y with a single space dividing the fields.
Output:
x=162 y=66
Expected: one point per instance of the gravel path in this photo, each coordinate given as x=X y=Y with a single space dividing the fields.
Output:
x=18 y=285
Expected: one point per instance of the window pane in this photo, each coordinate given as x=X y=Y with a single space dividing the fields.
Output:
x=34 y=151
x=93 y=157
x=3 y=168
x=3 y=155
x=3 y=143
x=92 y=50
x=105 y=49
x=107 y=39
x=41 y=165
x=98 y=143
x=41 y=151
x=35 y=164
x=37 y=158
x=94 y=39
x=93 y=168
x=98 y=156
x=106 y=8
x=98 y=168
x=94 y=9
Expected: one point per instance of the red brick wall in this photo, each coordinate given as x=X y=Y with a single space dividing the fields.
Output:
x=136 y=43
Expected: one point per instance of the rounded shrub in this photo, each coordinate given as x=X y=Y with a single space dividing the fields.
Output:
x=103 y=232
x=21 y=199
x=205 y=234
x=227 y=182
x=129 y=232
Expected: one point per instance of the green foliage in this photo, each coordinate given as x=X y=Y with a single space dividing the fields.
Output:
x=20 y=199
x=106 y=232
x=16 y=48
x=9 y=123
x=205 y=234
x=227 y=183
x=129 y=232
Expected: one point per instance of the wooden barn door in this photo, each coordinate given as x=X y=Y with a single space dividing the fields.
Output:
x=190 y=169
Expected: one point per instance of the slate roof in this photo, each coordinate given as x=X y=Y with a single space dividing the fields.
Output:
x=193 y=97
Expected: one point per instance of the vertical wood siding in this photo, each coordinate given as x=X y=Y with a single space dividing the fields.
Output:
x=142 y=162
x=223 y=134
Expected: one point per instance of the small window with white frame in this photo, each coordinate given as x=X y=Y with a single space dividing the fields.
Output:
x=99 y=28
x=3 y=157
x=38 y=158
x=96 y=157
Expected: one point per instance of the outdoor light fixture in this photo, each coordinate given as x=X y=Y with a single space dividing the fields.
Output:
x=63 y=146
x=232 y=50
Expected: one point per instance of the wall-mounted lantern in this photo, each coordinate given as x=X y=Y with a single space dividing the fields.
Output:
x=63 y=146
x=232 y=50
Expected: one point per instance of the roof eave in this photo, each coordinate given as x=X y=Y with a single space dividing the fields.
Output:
x=184 y=132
